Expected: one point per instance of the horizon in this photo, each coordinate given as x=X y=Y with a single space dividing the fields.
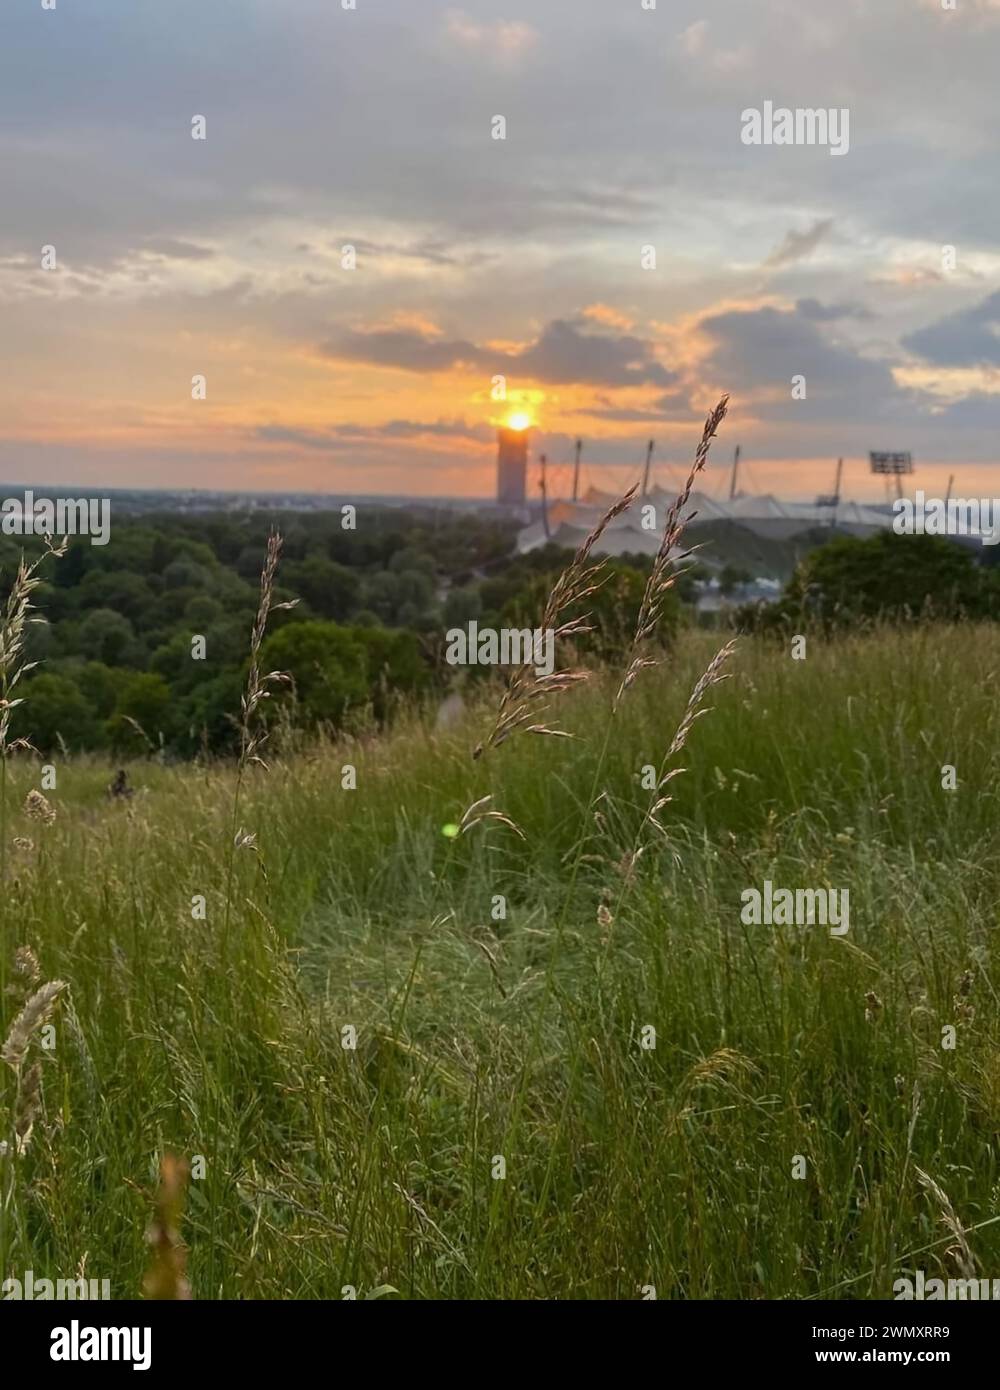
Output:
x=715 y=487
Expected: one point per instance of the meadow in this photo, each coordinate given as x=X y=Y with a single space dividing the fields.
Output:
x=387 y=1081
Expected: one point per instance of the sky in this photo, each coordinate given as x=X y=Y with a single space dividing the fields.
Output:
x=526 y=258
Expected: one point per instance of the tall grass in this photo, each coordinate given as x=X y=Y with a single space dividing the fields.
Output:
x=372 y=1167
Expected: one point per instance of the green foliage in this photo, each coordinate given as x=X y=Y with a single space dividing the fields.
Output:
x=613 y=610
x=132 y=609
x=891 y=577
x=144 y=700
x=336 y=669
x=107 y=636
x=329 y=589
x=59 y=710
x=328 y=665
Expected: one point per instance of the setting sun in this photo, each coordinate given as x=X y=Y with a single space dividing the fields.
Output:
x=520 y=420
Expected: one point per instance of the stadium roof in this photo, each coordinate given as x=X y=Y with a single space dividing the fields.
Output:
x=763 y=514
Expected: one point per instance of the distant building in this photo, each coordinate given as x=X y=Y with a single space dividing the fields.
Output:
x=765 y=516
x=512 y=466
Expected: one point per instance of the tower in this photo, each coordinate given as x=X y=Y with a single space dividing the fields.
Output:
x=512 y=466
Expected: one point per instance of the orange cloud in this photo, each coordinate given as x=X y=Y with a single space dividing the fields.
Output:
x=612 y=318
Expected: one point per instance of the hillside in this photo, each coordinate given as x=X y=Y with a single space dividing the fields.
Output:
x=225 y=1035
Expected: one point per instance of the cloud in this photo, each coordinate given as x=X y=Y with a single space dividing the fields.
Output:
x=345 y=436
x=403 y=348
x=693 y=43
x=829 y=313
x=504 y=40
x=664 y=408
x=908 y=277
x=694 y=37
x=979 y=410
x=174 y=249
x=967 y=338
x=561 y=355
x=797 y=245
x=428 y=251
x=607 y=316
x=756 y=352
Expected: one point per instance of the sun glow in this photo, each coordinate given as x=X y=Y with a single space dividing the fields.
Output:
x=520 y=420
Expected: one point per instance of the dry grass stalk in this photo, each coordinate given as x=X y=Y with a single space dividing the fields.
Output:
x=477 y=813
x=38 y=807
x=693 y=710
x=26 y=964
x=494 y=967
x=961 y=1250
x=528 y=694
x=28 y=1107
x=34 y=1016
x=257 y=689
x=724 y=1066
x=665 y=573
x=13 y=633
x=165 y=1278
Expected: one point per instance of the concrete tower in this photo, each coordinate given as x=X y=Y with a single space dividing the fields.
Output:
x=512 y=466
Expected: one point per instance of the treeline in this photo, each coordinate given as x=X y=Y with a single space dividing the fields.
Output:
x=145 y=640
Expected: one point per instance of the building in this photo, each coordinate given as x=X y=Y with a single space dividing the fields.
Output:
x=512 y=466
x=637 y=531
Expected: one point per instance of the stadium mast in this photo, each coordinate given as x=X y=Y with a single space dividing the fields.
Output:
x=545 y=504
x=649 y=459
x=736 y=468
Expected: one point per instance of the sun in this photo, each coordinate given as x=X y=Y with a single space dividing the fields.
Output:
x=520 y=420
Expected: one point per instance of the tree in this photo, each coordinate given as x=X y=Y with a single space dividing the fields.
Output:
x=121 y=591
x=461 y=606
x=897 y=578
x=394 y=665
x=186 y=574
x=107 y=636
x=54 y=707
x=330 y=590
x=328 y=665
x=209 y=715
x=145 y=699
x=100 y=685
x=730 y=576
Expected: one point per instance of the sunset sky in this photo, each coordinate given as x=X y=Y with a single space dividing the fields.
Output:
x=478 y=257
